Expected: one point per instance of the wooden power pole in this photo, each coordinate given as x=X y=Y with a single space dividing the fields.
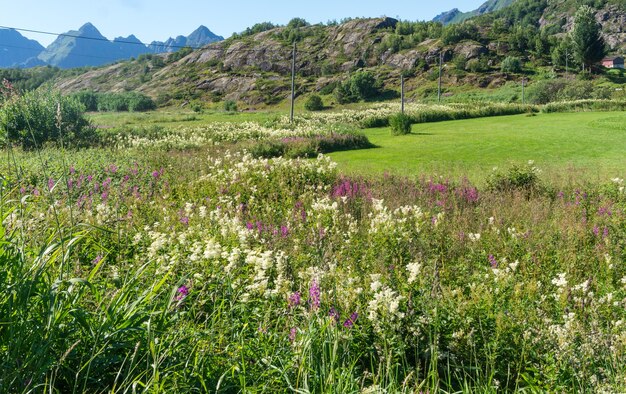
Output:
x=440 y=70
x=293 y=81
x=402 y=92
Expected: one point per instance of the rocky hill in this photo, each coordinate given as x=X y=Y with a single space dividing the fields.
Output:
x=255 y=68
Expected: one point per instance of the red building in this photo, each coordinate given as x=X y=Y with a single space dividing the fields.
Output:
x=613 y=62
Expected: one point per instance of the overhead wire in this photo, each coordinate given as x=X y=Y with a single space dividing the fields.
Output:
x=159 y=44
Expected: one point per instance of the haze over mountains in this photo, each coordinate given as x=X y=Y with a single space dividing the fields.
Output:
x=88 y=47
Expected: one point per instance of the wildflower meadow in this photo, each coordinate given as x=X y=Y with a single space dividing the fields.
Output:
x=206 y=268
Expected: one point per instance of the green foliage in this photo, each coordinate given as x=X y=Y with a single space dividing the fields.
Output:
x=453 y=34
x=297 y=23
x=255 y=29
x=88 y=98
x=511 y=64
x=547 y=91
x=230 y=106
x=309 y=147
x=121 y=102
x=517 y=177
x=589 y=46
x=181 y=53
x=362 y=85
x=36 y=118
x=314 y=103
x=30 y=79
x=563 y=55
x=400 y=124
x=294 y=31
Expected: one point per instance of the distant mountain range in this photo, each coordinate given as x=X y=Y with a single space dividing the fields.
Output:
x=456 y=16
x=88 y=47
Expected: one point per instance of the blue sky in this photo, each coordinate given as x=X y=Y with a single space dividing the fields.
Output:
x=157 y=19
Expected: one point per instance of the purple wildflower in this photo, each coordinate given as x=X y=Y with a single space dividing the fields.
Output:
x=596 y=230
x=185 y=220
x=314 y=295
x=493 y=261
x=284 y=231
x=182 y=292
x=349 y=323
x=334 y=314
x=292 y=334
x=50 y=184
x=294 y=299
x=97 y=259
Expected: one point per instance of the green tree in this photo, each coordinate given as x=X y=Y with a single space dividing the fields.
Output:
x=511 y=64
x=589 y=46
x=314 y=103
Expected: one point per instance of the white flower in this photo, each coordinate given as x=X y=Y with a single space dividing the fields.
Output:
x=414 y=270
x=474 y=237
x=560 y=281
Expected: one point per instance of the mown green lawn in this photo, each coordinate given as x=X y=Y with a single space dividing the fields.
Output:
x=569 y=146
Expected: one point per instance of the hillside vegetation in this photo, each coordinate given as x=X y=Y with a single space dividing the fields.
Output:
x=254 y=66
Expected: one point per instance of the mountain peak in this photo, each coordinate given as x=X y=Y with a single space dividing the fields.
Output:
x=89 y=29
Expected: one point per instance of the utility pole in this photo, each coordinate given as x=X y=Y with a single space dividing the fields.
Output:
x=402 y=91
x=440 y=70
x=293 y=81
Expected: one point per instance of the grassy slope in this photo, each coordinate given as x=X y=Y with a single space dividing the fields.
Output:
x=579 y=146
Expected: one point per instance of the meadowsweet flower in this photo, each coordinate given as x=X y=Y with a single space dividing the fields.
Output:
x=474 y=237
x=414 y=270
x=560 y=281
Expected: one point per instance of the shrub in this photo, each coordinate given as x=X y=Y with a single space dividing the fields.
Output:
x=362 y=85
x=511 y=64
x=314 y=103
x=400 y=124
x=230 y=106
x=121 y=102
x=138 y=102
x=87 y=98
x=517 y=177
x=36 y=118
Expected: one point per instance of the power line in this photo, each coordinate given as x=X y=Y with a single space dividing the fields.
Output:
x=73 y=54
x=159 y=45
x=95 y=38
